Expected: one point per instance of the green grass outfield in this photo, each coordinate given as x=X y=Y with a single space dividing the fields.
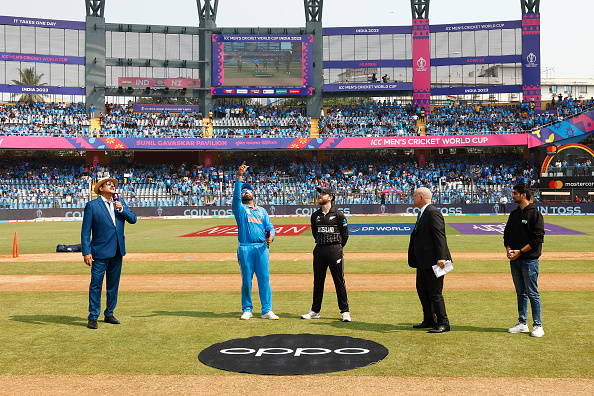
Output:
x=163 y=236
x=163 y=332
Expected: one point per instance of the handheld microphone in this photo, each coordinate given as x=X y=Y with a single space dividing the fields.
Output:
x=115 y=197
x=267 y=235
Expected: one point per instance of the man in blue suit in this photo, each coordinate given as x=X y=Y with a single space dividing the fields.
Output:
x=104 y=219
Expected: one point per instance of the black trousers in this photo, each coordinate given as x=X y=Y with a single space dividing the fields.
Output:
x=329 y=256
x=429 y=289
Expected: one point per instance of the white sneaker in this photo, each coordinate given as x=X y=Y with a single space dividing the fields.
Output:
x=519 y=328
x=270 y=315
x=537 y=331
x=311 y=315
x=346 y=317
x=246 y=315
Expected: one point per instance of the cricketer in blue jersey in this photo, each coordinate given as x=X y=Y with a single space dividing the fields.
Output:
x=255 y=232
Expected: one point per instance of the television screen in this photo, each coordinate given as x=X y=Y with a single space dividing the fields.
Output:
x=261 y=61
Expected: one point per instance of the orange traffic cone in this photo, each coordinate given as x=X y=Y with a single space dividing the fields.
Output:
x=15 y=246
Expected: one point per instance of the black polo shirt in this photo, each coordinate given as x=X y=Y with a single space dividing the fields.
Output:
x=331 y=228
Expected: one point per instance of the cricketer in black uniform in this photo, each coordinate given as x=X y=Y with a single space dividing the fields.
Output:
x=330 y=231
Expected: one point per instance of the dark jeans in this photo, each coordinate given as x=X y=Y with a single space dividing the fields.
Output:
x=525 y=276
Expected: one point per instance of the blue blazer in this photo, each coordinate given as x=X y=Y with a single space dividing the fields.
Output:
x=105 y=236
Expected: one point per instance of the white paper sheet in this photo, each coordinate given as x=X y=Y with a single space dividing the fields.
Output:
x=441 y=272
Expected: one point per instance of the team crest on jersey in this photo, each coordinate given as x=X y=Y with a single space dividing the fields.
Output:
x=331 y=217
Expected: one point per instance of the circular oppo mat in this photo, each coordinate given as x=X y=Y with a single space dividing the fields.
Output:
x=293 y=354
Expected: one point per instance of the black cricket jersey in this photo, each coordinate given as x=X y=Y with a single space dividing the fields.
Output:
x=329 y=229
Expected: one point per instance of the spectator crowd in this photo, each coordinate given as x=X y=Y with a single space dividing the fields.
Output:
x=276 y=178
x=235 y=120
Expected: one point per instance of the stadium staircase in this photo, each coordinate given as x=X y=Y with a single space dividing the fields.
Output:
x=95 y=126
x=314 y=131
x=421 y=126
x=208 y=128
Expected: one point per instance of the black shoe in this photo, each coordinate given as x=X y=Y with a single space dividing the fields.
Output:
x=92 y=324
x=423 y=325
x=111 y=319
x=440 y=329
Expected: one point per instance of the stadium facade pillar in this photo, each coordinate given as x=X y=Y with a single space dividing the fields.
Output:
x=422 y=156
x=321 y=157
x=315 y=101
x=207 y=14
x=421 y=64
x=531 y=90
x=95 y=158
x=95 y=64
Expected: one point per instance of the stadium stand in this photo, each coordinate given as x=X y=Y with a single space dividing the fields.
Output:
x=277 y=179
x=242 y=121
x=44 y=119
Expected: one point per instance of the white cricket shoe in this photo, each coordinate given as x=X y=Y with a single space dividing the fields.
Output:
x=270 y=315
x=519 y=328
x=537 y=331
x=311 y=315
x=346 y=317
x=246 y=315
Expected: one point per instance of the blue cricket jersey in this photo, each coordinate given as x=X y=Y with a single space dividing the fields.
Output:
x=251 y=223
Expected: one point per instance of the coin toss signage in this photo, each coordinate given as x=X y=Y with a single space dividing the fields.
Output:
x=293 y=354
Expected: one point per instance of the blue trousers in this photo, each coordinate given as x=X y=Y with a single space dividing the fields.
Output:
x=254 y=258
x=525 y=276
x=111 y=268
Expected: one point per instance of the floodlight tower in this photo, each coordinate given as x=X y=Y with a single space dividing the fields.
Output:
x=420 y=9
x=530 y=6
x=531 y=63
x=313 y=26
x=95 y=55
x=207 y=14
x=421 y=54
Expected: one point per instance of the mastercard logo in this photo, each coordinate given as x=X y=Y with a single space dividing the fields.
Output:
x=556 y=184
x=552 y=149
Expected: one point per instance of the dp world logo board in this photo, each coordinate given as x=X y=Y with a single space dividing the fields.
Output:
x=293 y=354
x=381 y=229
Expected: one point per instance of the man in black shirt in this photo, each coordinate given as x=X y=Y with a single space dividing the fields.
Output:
x=330 y=231
x=523 y=238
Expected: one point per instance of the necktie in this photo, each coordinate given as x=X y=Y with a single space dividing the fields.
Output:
x=112 y=211
x=418 y=217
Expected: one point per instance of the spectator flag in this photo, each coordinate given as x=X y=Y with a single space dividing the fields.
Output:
x=349 y=172
x=451 y=98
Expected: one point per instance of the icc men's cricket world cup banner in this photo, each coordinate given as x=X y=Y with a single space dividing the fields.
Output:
x=112 y=143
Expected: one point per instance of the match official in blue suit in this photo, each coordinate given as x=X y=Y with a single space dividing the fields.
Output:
x=103 y=246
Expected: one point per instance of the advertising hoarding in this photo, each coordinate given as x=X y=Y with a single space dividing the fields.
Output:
x=143 y=82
